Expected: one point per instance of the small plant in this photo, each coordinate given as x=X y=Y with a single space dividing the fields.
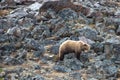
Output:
x=1 y=70
x=1 y=78
x=56 y=58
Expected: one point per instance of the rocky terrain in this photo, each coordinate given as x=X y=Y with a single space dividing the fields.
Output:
x=30 y=36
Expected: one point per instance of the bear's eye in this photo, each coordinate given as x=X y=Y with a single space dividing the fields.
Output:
x=84 y=45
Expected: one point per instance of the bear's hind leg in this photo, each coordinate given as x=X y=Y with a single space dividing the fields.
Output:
x=61 y=57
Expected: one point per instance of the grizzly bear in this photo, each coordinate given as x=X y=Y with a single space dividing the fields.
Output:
x=71 y=46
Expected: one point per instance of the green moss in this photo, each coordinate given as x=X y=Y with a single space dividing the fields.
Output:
x=1 y=78
x=55 y=58
x=1 y=70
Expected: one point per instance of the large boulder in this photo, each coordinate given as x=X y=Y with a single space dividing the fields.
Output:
x=88 y=33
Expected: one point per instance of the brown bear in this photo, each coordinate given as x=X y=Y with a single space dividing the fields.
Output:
x=71 y=46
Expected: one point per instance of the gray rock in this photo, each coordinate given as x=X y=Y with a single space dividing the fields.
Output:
x=116 y=20
x=54 y=49
x=25 y=22
x=51 y=14
x=35 y=6
x=88 y=33
x=46 y=34
x=116 y=51
x=33 y=44
x=118 y=30
x=1 y=31
x=40 y=32
x=113 y=20
x=117 y=13
x=72 y=62
x=107 y=62
x=92 y=79
x=8 y=47
x=111 y=70
x=84 y=57
x=64 y=32
x=13 y=61
x=37 y=33
x=15 y=31
x=100 y=57
x=74 y=38
x=36 y=67
x=113 y=40
x=111 y=46
x=68 y=14
x=7 y=23
x=61 y=68
x=97 y=47
x=47 y=42
x=18 y=13
x=38 y=77
x=98 y=64
x=3 y=38
x=38 y=53
x=75 y=75
x=89 y=41
x=21 y=55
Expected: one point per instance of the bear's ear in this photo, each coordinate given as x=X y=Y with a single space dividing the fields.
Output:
x=86 y=46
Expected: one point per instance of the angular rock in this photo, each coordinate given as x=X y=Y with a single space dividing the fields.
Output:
x=18 y=13
x=1 y=31
x=15 y=31
x=72 y=62
x=46 y=34
x=38 y=77
x=47 y=42
x=97 y=47
x=26 y=23
x=12 y=61
x=35 y=6
x=36 y=67
x=39 y=53
x=118 y=30
x=113 y=20
x=75 y=75
x=116 y=51
x=74 y=38
x=86 y=40
x=64 y=32
x=98 y=64
x=88 y=33
x=111 y=70
x=40 y=32
x=117 y=13
x=3 y=38
x=61 y=68
x=54 y=49
x=7 y=23
x=92 y=79
x=8 y=47
x=68 y=14
x=33 y=44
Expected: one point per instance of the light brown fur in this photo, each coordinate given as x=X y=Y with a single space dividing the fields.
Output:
x=70 y=46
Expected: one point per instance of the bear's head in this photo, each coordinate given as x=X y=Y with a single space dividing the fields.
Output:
x=84 y=46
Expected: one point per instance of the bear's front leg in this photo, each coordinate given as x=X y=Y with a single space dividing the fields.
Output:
x=78 y=56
